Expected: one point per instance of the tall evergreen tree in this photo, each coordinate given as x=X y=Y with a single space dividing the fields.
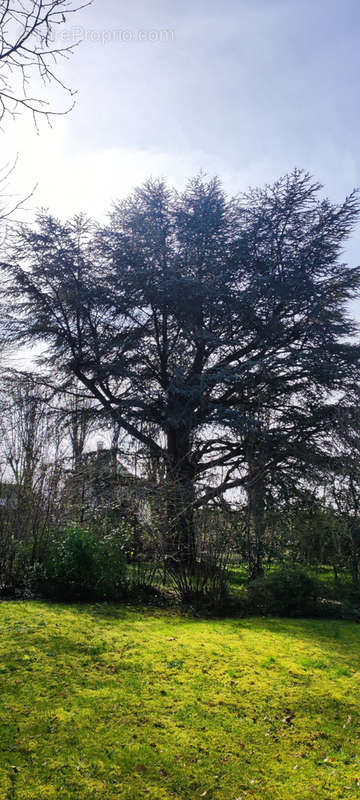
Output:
x=190 y=318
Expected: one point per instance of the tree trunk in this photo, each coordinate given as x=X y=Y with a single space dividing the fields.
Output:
x=354 y=545
x=181 y=544
x=355 y=566
x=256 y=519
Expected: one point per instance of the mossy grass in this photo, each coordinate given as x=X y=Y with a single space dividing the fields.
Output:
x=101 y=701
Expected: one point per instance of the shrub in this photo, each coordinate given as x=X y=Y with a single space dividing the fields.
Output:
x=80 y=565
x=286 y=593
x=203 y=585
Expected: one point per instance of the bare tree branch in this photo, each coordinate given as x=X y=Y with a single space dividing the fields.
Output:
x=29 y=49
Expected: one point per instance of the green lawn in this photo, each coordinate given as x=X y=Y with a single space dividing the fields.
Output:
x=110 y=702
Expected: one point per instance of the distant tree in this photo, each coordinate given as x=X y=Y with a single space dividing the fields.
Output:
x=342 y=480
x=27 y=428
x=31 y=465
x=193 y=315
x=29 y=49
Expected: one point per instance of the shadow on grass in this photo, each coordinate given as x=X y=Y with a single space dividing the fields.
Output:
x=340 y=639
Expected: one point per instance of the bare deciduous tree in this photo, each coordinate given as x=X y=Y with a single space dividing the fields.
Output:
x=31 y=472
x=30 y=49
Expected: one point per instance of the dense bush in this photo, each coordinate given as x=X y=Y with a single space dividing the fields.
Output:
x=80 y=565
x=287 y=593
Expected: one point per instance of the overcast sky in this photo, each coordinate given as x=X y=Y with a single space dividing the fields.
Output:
x=246 y=89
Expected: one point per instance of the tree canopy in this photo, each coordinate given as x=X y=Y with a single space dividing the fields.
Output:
x=214 y=330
